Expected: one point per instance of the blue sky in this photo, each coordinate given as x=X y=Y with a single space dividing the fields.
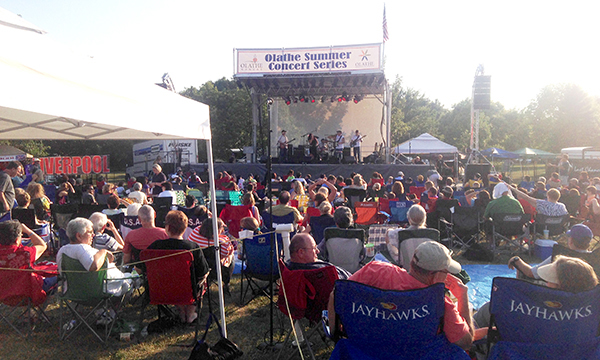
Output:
x=435 y=46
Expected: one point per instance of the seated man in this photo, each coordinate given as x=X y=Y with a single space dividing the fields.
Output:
x=303 y=256
x=167 y=188
x=549 y=207
x=282 y=209
x=81 y=234
x=175 y=224
x=11 y=232
x=140 y=239
x=579 y=240
x=102 y=240
x=138 y=195
x=431 y=264
x=503 y=203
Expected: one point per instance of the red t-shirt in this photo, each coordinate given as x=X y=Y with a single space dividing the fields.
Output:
x=391 y=277
x=142 y=238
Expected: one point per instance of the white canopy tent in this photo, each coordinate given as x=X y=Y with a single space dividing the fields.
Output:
x=48 y=92
x=425 y=144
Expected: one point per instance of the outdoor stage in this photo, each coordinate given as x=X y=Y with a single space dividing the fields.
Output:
x=242 y=169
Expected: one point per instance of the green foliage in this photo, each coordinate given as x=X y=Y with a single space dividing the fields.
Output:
x=36 y=148
x=230 y=114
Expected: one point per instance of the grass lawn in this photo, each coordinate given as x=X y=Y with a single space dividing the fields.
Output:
x=247 y=326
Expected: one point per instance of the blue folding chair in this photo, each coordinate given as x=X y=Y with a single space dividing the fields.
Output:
x=398 y=210
x=536 y=322
x=389 y=324
x=259 y=265
x=270 y=221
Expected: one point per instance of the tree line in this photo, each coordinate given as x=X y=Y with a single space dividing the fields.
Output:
x=560 y=116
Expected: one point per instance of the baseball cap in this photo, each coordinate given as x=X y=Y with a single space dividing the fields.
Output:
x=433 y=256
x=36 y=159
x=447 y=191
x=580 y=233
x=548 y=273
x=400 y=173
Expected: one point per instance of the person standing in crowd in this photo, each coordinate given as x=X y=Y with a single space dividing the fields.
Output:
x=7 y=190
x=158 y=178
x=355 y=142
x=282 y=143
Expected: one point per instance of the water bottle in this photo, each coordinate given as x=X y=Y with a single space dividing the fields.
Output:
x=546 y=234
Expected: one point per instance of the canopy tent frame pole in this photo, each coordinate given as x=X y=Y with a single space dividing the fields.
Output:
x=213 y=209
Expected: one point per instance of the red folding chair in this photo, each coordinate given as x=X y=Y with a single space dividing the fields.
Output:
x=171 y=281
x=384 y=205
x=417 y=190
x=311 y=211
x=232 y=215
x=366 y=213
x=20 y=290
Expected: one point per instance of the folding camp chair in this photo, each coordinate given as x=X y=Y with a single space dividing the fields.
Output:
x=129 y=223
x=530 y=321
x=354 y=195
x=384 y=206
x=318 y=225
x=231 y=216
x=416 y=190
x=443 y=211
x=344 y=248
x=259 y=264
x=463 y=229
x=310 y=212
x=171 y=280
x=86 y=210
x=20 y=292
x=61 y=215
x=271 y=221
x=388 y=324
x=511 y=229
x=198 y=195
x=162 y=205
x=85 y=289
x=556 y=225
x=367 y=213
x=27 y=217
x=398 y=211
x=592 y=258
x=402 y=249
x=304 y=294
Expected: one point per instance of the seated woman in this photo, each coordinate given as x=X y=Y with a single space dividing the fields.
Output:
x=317 y=224
x=248 y=200
x=564 y=273
x=11 y=232
x=113 y=203
x=417 y=219
x=175 y=224
x=64 y=191
x=397 y=192
x=107 y=190
x=39 y=201
x=375 y=191
x=81 y=235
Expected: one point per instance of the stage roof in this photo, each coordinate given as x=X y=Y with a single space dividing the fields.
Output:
x=331 y=84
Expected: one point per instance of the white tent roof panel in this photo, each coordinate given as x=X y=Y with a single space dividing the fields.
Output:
x=425 y=144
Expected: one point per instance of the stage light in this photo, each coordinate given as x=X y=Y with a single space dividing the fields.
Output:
x=345 y=97
x=357 y=98
x=302 y=98
x=341 y=98
x=312 y=99
x=287 y=100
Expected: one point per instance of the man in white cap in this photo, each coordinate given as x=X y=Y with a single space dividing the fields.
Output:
x=431 y=264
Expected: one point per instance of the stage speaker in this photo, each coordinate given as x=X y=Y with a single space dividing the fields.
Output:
x=349 y=159
x=483 y=169
x=482 y=86
x=346 y=151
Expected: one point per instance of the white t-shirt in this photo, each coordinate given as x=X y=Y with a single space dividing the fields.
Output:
x=85 y=254
x=340 y=141
x=356 y=140
x=171 y=194
x=138 y=196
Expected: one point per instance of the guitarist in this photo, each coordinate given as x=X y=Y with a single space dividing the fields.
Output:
x=282 y=142
x=355 y=141
x=339 y=145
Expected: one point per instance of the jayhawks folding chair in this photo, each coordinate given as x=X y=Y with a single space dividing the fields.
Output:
x=389 y=324
x=530 y=321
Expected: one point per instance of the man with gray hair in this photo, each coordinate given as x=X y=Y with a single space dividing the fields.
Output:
x=343 y=217
x=139 y=239
x=137 y=195
x=102 y=240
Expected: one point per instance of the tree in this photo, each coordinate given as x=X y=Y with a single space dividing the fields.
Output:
x=563 y=116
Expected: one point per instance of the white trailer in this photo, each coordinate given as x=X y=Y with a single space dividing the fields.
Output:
x=176 y=152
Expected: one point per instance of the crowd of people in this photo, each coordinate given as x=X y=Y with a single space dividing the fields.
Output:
x=313 y=204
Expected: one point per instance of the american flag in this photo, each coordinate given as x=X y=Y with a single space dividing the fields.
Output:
x=386 y=36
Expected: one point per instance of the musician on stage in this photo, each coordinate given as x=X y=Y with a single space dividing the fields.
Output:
x=282 y=142
x=339 y=145
x=313 y=143
x=355 y=145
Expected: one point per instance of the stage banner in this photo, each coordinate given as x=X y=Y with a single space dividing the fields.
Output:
x=351 y=58
x=89 y=164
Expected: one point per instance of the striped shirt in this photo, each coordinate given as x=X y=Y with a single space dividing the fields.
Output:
x=226 y=246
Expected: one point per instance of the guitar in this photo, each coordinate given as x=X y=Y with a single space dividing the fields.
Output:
x=354 y=142
x=285 y=144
